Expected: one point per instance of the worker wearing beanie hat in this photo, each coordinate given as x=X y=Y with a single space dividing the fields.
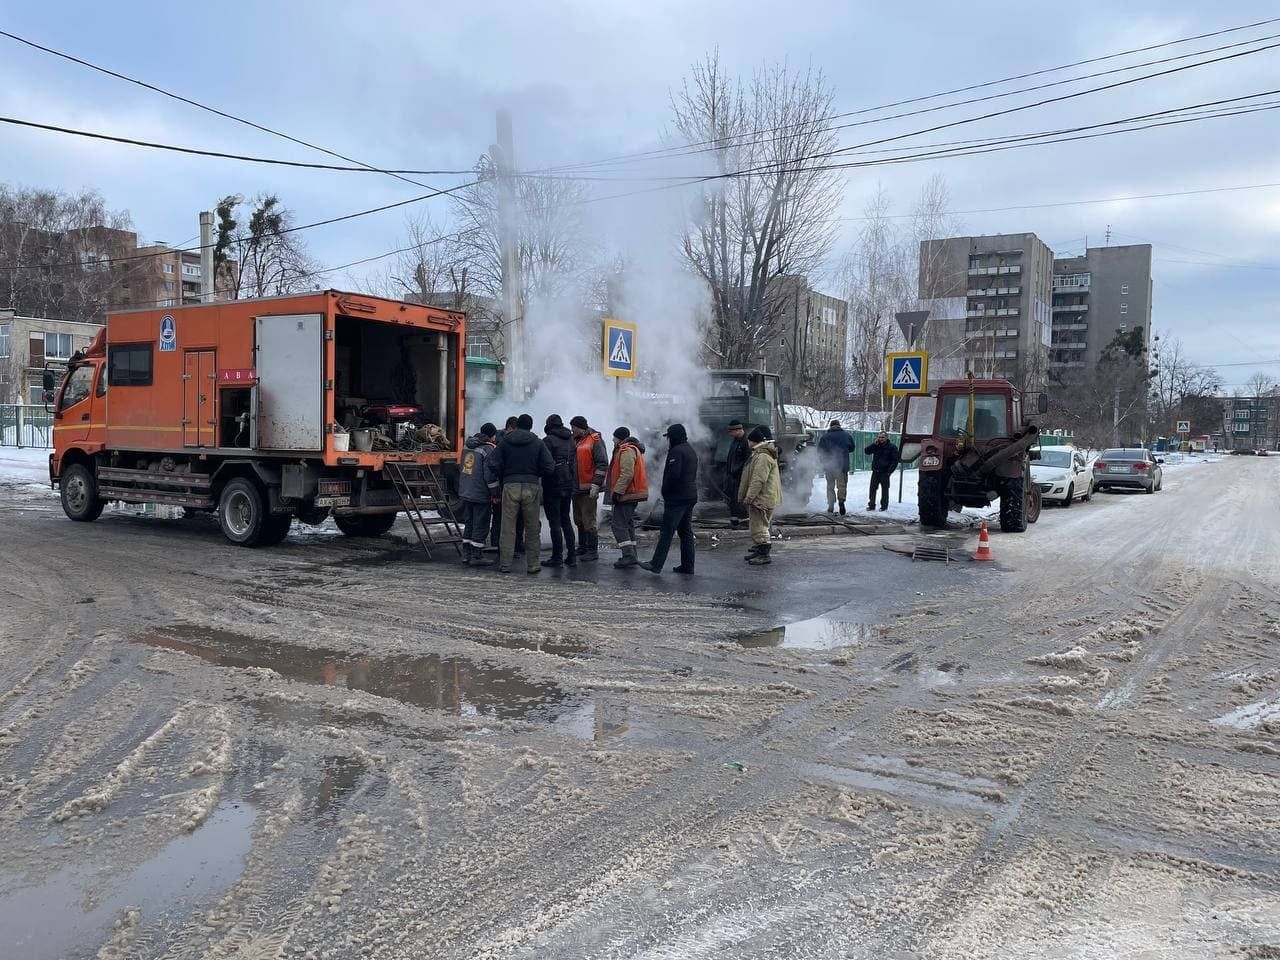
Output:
x=761 y=491
x=593 y=463
x=626 y=487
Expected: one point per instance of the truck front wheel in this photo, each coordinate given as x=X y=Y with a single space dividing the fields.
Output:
x=1013 y=506
x=932 y=501
x=242 y=513
x=366 y=524
x=80 y=500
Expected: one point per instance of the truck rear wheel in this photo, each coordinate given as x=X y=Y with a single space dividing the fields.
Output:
x=366 y=525
x=80 y=500
x=931 y=500
x=1013 y=506
x=242 y=513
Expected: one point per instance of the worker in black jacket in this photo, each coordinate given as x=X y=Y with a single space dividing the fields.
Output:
x=516 y=468
x=884 y=460
x=679 y=496
x=558 y=491
x=735 y=461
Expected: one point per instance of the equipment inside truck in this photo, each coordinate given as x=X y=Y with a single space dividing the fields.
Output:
x=394 y=386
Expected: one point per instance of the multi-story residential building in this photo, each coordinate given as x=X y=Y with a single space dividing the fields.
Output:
x=1006 y=283
x=1251 y=423
x=28 y=344
x=1095 y=296
x=162 y=276
x=811 y=350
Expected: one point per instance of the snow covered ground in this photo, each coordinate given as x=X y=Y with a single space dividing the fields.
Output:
x=27 y=467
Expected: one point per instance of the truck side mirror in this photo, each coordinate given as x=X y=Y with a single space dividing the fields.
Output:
x=1042 y=404
x=48 y=383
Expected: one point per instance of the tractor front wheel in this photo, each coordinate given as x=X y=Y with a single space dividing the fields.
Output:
x=1013 y=506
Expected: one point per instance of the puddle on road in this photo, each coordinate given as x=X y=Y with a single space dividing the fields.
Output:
x=451 y=684
x=71 y=912
x=816 y=633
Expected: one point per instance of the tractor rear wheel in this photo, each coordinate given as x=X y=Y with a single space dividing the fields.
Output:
x=1013 y=506
x=932 y=500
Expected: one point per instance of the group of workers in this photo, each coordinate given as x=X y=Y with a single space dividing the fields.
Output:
x=834 y=448
x=505 y=480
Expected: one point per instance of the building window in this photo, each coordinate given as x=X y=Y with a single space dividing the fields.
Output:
x=4 y=339
x=1124 y=308
x=57 y=346
x=189 y=271
x=170 y=286
x=1124 y=288
x=35 y=395
x=168 y=268
x=129 y=365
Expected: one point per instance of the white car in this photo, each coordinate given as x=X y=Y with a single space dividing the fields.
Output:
x=1063 y=475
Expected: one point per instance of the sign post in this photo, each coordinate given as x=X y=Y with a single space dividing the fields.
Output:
x=907 y=374
x=619 y=358
x=1184 y=428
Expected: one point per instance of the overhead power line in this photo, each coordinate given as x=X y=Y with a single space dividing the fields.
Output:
x=715 y=143
x=200 y=106
x=220 y=155
x=295 y=229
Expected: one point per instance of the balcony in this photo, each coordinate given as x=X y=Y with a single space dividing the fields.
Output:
x=1070 y=307
x=1066 y=363
x=995 y=271
x=972 y=332
x=994 y=292
x=1070 y=345
x=1070 y=326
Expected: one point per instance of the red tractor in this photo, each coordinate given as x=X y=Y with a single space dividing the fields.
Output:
x=974 y=448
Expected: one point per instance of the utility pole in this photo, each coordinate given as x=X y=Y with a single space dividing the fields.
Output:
x=504 y=162
x=206 y=256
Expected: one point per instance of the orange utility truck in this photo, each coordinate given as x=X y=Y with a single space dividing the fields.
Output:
x=263 y=410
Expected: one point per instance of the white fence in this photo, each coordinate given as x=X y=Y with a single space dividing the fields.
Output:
x=22 y=425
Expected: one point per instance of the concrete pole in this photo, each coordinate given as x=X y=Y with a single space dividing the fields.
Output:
x=206 y=256
x=504 y=159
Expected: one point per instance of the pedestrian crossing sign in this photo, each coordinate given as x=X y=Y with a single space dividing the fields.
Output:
x=619 y=348
x=907 y=373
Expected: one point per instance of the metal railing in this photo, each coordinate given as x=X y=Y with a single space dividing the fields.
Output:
x=24 y=425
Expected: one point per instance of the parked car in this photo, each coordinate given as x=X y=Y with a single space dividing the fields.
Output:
x=1063 y=475
x=1128 y=467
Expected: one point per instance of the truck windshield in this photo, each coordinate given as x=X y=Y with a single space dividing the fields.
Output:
x=989 y=418
x=730 y=388
x=919 y=418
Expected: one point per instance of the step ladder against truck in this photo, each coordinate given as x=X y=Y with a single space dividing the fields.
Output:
x=426 y=504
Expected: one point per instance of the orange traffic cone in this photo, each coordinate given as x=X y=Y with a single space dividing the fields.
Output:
x=984 y=543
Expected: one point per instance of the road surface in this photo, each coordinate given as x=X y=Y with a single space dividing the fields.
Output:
x=331 y=750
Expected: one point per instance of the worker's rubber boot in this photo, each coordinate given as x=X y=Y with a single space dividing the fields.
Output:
x=755 y=548
x=761 y=558
x=478 y=559
x=593 y=548
x=842 y=508
x=628 y=559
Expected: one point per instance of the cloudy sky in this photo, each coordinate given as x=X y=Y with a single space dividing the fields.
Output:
x=416 y=85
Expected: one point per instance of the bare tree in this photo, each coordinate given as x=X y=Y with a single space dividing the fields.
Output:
x=1260 y=384
x=1180 y=388
x=63 y=255
x=768 y=213
x=273 y=260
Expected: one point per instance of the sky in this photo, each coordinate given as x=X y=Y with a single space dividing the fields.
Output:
x=417 y=85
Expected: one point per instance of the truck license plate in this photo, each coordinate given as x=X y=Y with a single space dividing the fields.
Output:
x=333 y=501
x=333 y=488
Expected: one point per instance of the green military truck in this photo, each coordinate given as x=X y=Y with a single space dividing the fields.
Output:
x=756 y=399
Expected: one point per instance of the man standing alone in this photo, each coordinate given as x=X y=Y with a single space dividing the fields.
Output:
x=517 y=468
x=626 y=487
x=679 y=497
x=735 y=462
x=884 y=460
x=833 y=450
x=593 y=462
x=761 y=491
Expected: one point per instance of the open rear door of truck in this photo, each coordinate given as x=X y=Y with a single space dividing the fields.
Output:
x=289 y=404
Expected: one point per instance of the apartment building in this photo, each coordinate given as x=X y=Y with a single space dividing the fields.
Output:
x=1005 y=282
x=1095 y=296
x=28 y=344
x=1251 y=423
x=811 y=350
x=161 y=276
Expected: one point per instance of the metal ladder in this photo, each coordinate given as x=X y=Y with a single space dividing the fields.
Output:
x=421 y=491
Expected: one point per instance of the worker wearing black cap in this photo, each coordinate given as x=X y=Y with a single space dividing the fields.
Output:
x=679 y=497
x=626 y=487
x=735 y=461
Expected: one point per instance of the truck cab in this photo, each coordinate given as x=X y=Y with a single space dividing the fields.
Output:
x=757 y=399
x=974 y=447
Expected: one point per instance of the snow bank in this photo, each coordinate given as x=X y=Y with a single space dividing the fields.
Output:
x=907 y=511
x=27 y=466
